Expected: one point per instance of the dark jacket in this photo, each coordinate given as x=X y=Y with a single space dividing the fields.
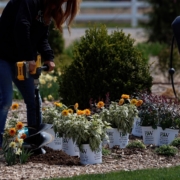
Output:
x=23 y=33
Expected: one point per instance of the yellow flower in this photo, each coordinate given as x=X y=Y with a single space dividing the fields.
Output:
x=42 y=81
x=50 y=97
x=134 y=101
x=76 y=106
x=58 y=104
x=12 y=144
x=12 y=131
x=14 y=106
x=19 y=125
x=23 y=136
x=19 y=151
x=121 y=101
x=54 y=78
x=65 y=112
x=70 y=111
x=87 y=112
x=125 y=96
x=49 y=85
x=80 y=112
x=100 y=104
x=139 y=103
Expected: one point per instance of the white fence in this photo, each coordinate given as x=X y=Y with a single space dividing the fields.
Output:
x=133 y=17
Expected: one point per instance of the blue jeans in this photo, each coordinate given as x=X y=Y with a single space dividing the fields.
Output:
x=26 y=88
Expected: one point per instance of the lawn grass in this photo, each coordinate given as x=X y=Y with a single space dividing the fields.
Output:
x=172 y=173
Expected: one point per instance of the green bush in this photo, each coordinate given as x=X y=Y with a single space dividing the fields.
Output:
x=136 y=144
x=56 y=40
x=103 y=64
x=166 y=150
x=160 y=19
x=176 y=142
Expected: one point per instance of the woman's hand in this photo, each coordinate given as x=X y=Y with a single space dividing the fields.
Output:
x=32 y=65
x=51 y=65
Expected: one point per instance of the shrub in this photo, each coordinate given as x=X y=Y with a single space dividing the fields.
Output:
x=166 y=150
x=176 y=142
x=136 y=144
x=103 y=64
x=55 y=39
x=160 y=19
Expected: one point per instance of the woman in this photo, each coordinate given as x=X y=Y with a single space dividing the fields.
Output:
x=24 y=33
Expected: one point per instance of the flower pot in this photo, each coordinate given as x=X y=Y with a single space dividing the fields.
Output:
x=150 y=135
x=137 y=130
x=56 y=144
x=87 y=156
x=167 y=135
x=117 y=137
x=70 y=147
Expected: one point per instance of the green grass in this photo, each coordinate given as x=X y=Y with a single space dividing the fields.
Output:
x=172 y=173
x=150 y=49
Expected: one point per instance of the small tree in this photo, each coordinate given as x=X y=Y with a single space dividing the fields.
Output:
x=103 y=64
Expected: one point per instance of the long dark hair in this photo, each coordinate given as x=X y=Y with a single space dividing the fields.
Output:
x=61 y=11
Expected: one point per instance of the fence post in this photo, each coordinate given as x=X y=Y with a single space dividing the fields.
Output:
x=133 y=13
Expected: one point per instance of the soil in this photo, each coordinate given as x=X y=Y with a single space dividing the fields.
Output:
x=54 y=157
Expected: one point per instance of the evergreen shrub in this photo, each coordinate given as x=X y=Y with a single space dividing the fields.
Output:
x=103 y=64
x=55 y=39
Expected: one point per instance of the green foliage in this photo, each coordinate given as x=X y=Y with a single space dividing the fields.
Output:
x=105 y=151
x=10 y=157
x=55 y=39
x=136 y=144
x=166 y=150
x=103 y=63
x=164 y=61
x=176 y=142
x=24 y=155
x=160 y=19
x=150 y=49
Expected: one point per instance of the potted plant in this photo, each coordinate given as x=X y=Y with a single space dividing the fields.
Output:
x=121 y=116
x=148 y=114
x=169 y=121
x=51 y=114
x=86 y=130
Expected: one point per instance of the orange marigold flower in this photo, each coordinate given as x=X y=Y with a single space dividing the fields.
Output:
x=121 y=101
x=23 y=136
x=58 y=104
x=134 y=101
x=12 y=131
x=139 y=103
x=70 y=111
x=14 y=106
x=87 y=112
x=65 y=112
x=100 y=104
x=80 y=112
x=19 y=125
x=76 y=106
x=125 y=96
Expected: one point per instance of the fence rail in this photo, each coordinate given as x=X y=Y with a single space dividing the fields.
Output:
x=133 y=16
